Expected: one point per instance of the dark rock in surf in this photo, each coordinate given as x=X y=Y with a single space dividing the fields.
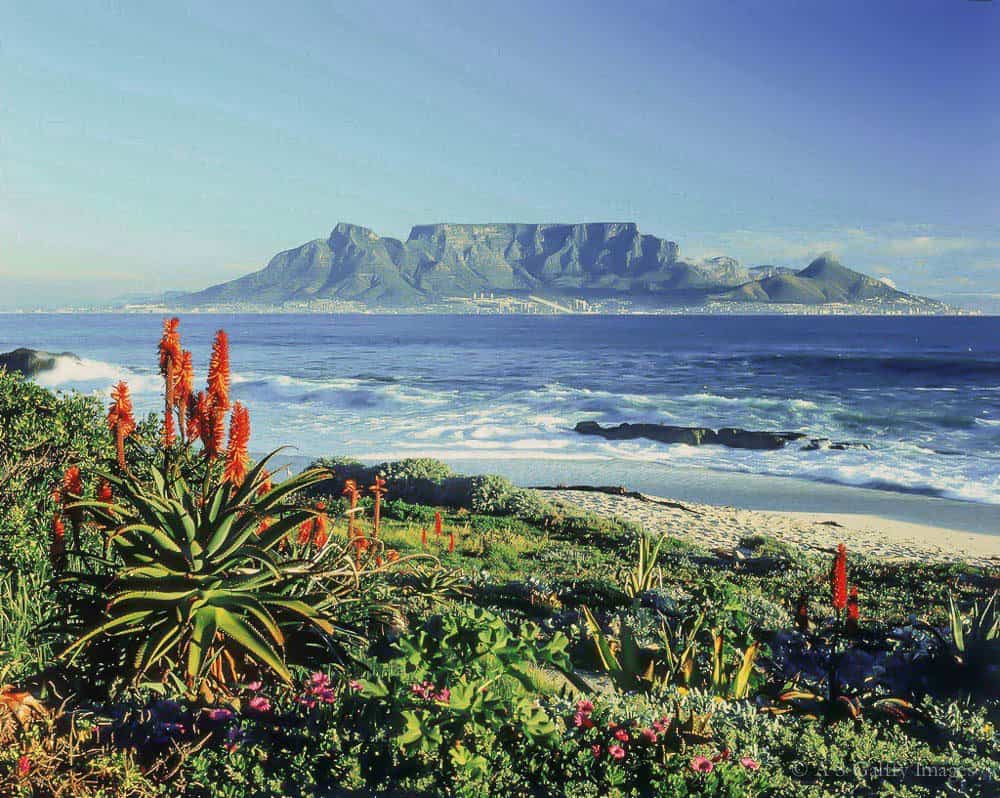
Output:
x=692 y=436
x=30 y=362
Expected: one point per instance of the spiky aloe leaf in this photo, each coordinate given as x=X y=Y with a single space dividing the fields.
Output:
x=741 y=684
x=249 y=638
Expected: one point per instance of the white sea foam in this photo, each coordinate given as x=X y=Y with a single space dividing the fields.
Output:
x=88 y=375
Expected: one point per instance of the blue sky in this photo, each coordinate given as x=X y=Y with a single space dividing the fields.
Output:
x=147 y=146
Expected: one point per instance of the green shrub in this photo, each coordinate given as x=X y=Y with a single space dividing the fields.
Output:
x=414 y=468
x=41 y=434
x=490 y=494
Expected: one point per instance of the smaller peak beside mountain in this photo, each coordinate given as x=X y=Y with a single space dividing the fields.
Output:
x=824 y=281
x=827 y=267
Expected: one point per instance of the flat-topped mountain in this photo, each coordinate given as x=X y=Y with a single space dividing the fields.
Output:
x=597 y=260
x=442 y=260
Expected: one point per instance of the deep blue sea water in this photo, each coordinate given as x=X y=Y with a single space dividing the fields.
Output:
x=923 y=392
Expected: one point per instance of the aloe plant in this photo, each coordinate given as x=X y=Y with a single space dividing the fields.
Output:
x=645 y=574
x=192 y=586
x=636 y=668
x=732 y=679
x=972 y=654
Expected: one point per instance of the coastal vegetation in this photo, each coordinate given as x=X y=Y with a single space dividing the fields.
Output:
x=176 y=620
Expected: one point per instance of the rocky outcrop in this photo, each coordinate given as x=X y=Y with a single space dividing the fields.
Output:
x=733 y=437
x=30 y=362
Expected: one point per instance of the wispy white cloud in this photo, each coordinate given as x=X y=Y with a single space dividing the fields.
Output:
x=796 y=245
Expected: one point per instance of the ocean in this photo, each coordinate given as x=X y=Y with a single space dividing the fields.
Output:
x=922 y=392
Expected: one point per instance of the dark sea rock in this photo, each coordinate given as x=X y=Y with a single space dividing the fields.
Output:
x=693 y=436
x=30 y=362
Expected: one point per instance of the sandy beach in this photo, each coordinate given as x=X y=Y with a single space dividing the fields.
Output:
x=722 y=527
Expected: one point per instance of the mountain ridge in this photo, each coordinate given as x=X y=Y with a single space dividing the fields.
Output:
x=588 y=260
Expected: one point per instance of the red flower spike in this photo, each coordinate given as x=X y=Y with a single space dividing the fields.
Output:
x=378 y=491
x=853 y=611
x=185 y=379
x=451 y=541
x=219 y=377
x=170 y=345
x=320 y=537
x=72 y=485
x=319 y=527
x=57 y=545
x=206 y=425
x=438 y=524
x=169 y=433
x=423 y=538
x=305 y=532
x=104 y=493
x=237 y=456
x=192 y=419
x=838 y=579
x=120 y=419
x=170 y=363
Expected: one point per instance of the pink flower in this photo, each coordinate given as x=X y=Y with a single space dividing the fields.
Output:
x=616 y=751
x=259 y=704
x=596 y=751
x=650 y=734
x=253 y=687
x=701 y=764
x=422 y=690
x=582 y=721
x=586 y=707
x=443 y=695
x=23 y=767
x=219 y=714
x=355 y=685
x=319 y=679
x=750 y=764
x=621 y=735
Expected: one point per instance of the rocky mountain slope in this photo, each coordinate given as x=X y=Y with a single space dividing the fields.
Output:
x=592 y=260
x=442 y=260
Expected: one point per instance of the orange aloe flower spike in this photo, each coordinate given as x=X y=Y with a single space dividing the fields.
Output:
x=170 y=345
x=237 y=456
x=120 y=419
x=219 y=377
x=170 y=363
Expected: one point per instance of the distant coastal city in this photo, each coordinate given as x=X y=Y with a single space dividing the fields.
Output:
x=496 y=304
